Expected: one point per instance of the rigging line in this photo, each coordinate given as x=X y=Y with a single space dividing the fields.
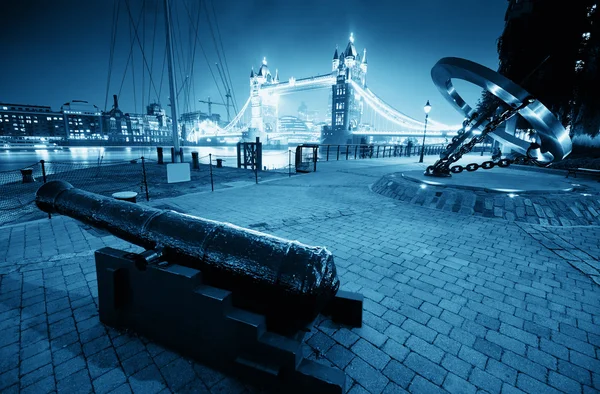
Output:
x=224 y=57
x=144 y=41
x=133 y=71
x=115 y=19
x=138 y=39
x=178 y=44
x=152 y=55
x=204 y=53
x=212 y=34
x=162 y=76
x=195 y=39
x=130 y=49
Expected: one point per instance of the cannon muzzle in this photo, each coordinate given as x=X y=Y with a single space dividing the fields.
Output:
x=289 y=282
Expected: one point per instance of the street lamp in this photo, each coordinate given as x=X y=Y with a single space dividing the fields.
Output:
x=426 y=108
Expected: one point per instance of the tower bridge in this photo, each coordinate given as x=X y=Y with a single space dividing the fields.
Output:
x=355 y=111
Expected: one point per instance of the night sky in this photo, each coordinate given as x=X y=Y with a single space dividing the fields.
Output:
x=57 y=51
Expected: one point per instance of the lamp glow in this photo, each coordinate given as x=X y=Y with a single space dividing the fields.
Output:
x=427 y=107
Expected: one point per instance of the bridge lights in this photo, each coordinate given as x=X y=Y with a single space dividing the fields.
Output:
x=426 y=108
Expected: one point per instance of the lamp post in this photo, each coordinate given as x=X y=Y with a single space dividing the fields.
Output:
x=426 y=108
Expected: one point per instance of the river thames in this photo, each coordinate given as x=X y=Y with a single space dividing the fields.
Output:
x=14 y=160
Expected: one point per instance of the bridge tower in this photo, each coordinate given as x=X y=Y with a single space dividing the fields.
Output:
x=346 y=104
x=264 y=106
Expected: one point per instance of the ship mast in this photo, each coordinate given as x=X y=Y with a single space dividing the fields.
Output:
x=173 y=98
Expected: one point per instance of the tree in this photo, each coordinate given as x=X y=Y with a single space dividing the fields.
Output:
x=539 y=49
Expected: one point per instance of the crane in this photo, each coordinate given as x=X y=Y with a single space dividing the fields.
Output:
x=211 y=103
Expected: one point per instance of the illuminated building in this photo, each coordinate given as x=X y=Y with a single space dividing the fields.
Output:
x=83 y=121
x=151 y=128
x=346 y=104
x=264 y=106
x=31 y=121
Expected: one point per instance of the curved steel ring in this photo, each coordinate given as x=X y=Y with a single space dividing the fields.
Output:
x=555 y=141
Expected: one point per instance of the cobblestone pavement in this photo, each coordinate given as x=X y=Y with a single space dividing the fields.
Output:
x=453 y=303
x=580 y=207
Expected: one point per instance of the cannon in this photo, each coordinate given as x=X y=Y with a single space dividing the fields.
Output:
x=205 y=287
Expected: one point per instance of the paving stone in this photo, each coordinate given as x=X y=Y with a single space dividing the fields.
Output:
x=501 y=371
x=473 y=357
x=426 y=368
x=370 y=354
x=506 y=342
x=209 y=376
x=531 y=385
x=420 y=385
x=457 y=366
x=35 y=362
x=46 y=385
x=541 y=358
x=425 y=349
x=177 y=374
x=366 y=375
x=523 y=365
x=563 y=383
x=79 y=382
x=109 y=381
x=371 y=335
x=398 y=373
x=9 y=378
x=395 y=350
x=456 y=384
x=340 y=356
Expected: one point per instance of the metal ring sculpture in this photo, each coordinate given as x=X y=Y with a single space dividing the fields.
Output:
x=555 y=141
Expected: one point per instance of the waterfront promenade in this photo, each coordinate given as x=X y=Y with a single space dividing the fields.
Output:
x=453 y=302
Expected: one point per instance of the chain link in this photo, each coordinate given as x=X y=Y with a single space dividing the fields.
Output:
x=442 y=166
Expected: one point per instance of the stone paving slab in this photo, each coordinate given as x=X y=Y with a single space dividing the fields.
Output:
x=453 y=303
x=579 y=207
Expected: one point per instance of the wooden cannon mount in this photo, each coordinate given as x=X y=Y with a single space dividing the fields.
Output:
x=231 y=298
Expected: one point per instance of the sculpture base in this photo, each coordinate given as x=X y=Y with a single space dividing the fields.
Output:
x=170 y=304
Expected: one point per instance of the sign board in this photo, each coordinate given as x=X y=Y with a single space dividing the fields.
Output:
x=178 y=172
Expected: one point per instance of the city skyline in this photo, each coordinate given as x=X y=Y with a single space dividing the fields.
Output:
x=68 y=52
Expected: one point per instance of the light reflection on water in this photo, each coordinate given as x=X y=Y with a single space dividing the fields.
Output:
x=14 y=160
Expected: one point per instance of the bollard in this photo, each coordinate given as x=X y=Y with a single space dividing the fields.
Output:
x=181 y=155
x=219 y=163
x=27 y=174
x=159 y=154
x=195 y=161
x=125 y=196
x=172 y=155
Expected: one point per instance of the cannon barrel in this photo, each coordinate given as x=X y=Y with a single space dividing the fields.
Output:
x=289 y=282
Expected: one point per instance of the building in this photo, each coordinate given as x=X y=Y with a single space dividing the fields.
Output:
x=346 y=104
x=264 y=107
x=24 y=121
x=151 y=128
x=83 y=121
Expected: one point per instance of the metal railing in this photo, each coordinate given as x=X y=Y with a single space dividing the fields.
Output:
x=308 y=155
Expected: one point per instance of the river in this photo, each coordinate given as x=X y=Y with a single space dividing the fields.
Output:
x=14 y=160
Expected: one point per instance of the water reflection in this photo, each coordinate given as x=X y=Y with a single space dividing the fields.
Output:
x=13 y=159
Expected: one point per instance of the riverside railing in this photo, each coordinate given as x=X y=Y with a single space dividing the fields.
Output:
x=307 y=155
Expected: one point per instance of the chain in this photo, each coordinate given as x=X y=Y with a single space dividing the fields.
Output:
x=442 y=166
